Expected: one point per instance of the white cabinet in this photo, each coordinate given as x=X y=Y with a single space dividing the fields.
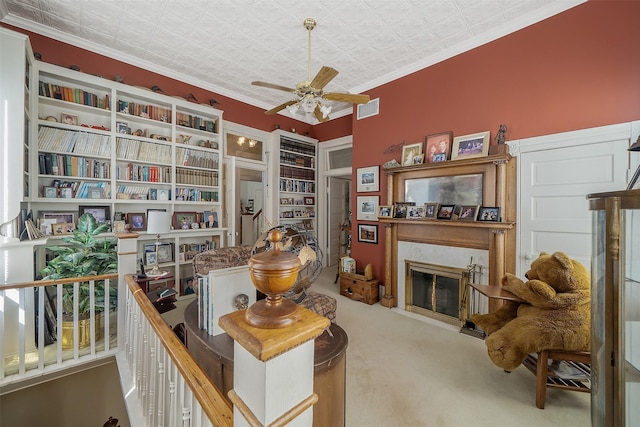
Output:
x=296 y=179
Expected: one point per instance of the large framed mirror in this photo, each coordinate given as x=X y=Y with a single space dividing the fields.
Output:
x=448 y=190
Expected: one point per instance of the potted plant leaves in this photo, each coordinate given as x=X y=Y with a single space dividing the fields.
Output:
x=83 y=255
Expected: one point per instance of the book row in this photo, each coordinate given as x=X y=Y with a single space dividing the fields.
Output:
x=196 y=177
x=297 y=147
x=75 y=95
x=133 y=149
x=143 y=173
x=69 y=141
x=195 y=122
x=145 y=111
x=297 y=173
x=67 y=165
x=197 y=158
x=195 y=195
x=295 y=160
x=296 y=186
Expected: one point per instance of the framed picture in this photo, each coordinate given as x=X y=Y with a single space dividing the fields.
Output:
x=468 y=213
x=163 y=194
x=119 y=226
x=121 y=127
x=367 y=233
x=284 y=201
x=487 y=213
x=183 y=220
x=431 y=210
x=409 y=152
x=62 y=228
x=59 y=217
x=400 y=210
x=102 y=214
x=165 y=252
x=50 y=192
x=186 y=286
x=95 y=193
x=418 y=160
x=309 y=200
x=66 y=193
x=445 y=212
x=367 y=208
x=415 y=212
x=368 y=179
x=69 y=119
x=469 y=146
x=210 y=219
x=137 y=221
x=438 y=147
x=385 y=211
x=150 y=258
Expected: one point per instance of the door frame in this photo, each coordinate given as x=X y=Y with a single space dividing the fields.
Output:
x=324 y=149
x=232 y=178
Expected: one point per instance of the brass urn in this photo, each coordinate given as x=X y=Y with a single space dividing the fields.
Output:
x=273 y=273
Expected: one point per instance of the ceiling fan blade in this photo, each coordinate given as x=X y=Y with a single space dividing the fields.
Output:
x=280 y=107
x=324 y=76
x=319 y=115
x=347 y=97
x=273 y=86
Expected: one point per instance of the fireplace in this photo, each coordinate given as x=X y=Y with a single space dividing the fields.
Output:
x=436 y=291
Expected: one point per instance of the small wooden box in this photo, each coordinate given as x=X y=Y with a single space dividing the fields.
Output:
x=355 y=286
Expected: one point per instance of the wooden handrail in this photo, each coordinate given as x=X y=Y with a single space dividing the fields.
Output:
x=256 y=215
x=37 y=283
x=213 y=403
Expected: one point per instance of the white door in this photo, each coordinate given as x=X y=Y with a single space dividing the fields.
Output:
x=556 y=174
x=337 y=212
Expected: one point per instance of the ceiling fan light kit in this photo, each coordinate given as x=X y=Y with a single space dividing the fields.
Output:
x=310 y=95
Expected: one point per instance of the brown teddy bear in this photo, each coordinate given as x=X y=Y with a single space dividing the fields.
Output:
x=556 y=314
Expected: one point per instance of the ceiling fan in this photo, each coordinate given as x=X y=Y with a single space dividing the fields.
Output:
x=310 y=94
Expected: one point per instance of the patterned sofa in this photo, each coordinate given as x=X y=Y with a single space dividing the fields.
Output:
x=235 y=256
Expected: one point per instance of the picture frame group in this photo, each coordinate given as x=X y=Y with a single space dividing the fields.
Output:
x=441 y=147
x=437 y=211
x=54 y=223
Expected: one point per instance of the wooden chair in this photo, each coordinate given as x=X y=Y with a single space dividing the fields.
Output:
x=547 y=376
x=539 y=365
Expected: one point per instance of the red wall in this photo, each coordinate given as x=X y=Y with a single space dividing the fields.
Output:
x=577 y=70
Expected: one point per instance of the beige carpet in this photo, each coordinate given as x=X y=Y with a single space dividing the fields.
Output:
x=407 y=372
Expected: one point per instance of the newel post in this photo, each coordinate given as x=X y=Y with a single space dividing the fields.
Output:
x=273 y=347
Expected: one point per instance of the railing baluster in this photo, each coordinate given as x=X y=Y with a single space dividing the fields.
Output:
x=59 y=316
x=21 y=329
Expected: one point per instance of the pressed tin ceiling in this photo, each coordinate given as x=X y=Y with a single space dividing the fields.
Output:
x=223 y=46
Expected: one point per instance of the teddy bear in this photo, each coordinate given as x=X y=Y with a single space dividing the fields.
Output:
x=555 y=314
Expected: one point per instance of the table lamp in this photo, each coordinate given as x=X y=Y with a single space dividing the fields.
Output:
x=158 y=222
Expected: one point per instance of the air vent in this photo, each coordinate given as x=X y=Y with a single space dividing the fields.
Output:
x=371 y=108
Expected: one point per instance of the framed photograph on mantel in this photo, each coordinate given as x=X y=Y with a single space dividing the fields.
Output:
x=438 y=147
x=368 y=179
x=469 y=146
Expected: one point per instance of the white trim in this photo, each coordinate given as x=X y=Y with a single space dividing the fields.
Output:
x=322 y=174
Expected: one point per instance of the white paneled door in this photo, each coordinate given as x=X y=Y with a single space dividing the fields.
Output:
x=556 y=174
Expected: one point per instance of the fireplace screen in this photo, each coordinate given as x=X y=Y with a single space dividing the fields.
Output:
x=436 y=291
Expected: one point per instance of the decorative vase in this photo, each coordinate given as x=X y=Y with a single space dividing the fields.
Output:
x=273 y=273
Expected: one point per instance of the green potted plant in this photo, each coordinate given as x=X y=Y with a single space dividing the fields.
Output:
x=83 y=255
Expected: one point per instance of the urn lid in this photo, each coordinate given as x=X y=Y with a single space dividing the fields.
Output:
x=274 y=259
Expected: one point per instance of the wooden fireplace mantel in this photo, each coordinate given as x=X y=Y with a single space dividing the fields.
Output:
x=498 y=238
